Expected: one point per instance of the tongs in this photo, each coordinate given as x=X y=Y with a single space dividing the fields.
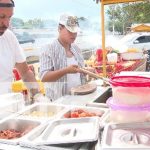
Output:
x=94 y=75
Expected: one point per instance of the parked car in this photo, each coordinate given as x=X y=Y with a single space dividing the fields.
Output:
x=25 y=38
x=138 y=40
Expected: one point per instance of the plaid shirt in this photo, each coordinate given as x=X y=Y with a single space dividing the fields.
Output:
x=53 y=57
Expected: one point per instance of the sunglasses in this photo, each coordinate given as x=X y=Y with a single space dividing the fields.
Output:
x=12 y=4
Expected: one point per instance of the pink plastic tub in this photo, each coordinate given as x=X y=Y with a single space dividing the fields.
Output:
x=127 y=113
x=131 y=90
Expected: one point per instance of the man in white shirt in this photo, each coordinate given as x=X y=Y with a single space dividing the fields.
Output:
x=11 y=54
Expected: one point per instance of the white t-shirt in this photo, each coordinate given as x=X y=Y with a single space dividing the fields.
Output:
x=10 y=54
x=73 y=79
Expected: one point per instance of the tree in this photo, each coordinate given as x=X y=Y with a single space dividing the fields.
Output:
x=34 y=23
x=124 y=15
x=114 y=14
x=37 y=23
x=17 y=22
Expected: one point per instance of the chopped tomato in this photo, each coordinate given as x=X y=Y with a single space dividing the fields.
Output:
x=74 y=115
x=81 y=113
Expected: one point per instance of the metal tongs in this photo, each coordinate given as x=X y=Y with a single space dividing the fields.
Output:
x=94 y=75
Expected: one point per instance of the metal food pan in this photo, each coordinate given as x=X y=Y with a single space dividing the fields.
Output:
x=70 y=131
x=29 y=139
x=13 y=129
x=126 y=135
x=83 y=111
x=42 y=111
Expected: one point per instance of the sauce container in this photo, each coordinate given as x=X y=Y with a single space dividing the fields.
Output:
x=126 y=113
x=130 y=90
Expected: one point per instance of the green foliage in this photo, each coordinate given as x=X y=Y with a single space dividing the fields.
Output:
x=124 y=15
x=30 y=24
x=17 y=22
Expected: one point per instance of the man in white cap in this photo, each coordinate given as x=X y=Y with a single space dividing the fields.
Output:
x=60 y=61
x=12 y=55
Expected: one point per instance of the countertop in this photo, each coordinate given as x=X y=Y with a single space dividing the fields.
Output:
x=84 y=99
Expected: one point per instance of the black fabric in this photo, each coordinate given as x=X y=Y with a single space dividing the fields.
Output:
x=12 y=4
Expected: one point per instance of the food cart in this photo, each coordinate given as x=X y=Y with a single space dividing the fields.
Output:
x=46 y=118
x=103 y=3
x=127 y=61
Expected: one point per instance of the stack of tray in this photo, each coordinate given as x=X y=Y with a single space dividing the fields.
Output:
x=51 y=129
x=61 y=131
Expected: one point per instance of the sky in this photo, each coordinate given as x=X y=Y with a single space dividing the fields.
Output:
x=51 y=9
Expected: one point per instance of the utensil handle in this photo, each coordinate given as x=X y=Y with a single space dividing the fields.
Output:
x=90 y=73
x=94 y=75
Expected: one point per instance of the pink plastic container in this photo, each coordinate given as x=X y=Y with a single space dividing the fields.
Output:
x=131 y=90
x=127 y=113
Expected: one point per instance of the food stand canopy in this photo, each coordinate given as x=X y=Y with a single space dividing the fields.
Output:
x=141 y=28
x=105 y=2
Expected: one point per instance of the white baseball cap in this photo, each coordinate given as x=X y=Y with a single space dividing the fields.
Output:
x=70 y=22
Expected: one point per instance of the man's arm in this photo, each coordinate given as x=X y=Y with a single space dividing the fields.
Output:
x=28 y=77
x=53 y=76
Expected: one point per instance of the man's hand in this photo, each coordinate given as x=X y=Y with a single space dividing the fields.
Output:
x=73 y=69
x=91 y=69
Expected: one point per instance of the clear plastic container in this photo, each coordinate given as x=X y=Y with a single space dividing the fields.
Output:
x=112 y=58
x=11 y=103
x=131 y=90
x=126 y=113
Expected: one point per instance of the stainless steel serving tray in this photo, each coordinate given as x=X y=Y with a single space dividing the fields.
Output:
x=76 y=112
x=23 y=126
x=66 y=131
x=42 y=111
x=71 y=131
x=29 y=141
x=127 y=135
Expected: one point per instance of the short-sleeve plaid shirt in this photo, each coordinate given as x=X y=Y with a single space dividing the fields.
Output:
x=53 y=57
